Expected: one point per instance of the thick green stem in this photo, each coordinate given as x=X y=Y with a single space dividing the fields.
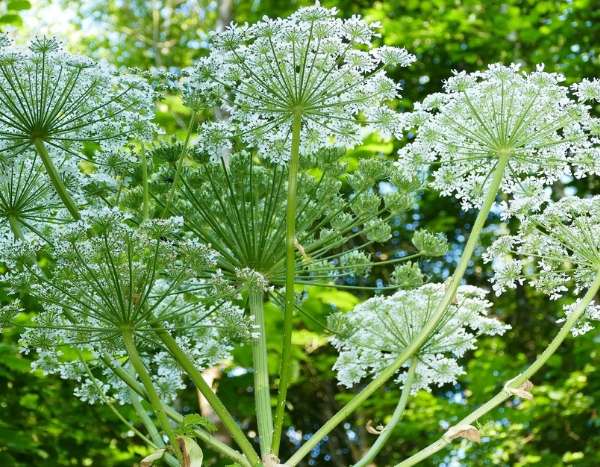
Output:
x=290 y=275
x=15 y=228
x=55 y=179
x=150 y=427
x=146 y=420
x=179 y=164
x=210 y=440
x=515 y=383
x=145 y=186
x=146 y=379
x=416 y=344
x=226 y=418
x=396 y=417
x=262 y=394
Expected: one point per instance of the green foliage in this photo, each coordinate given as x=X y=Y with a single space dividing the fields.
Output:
x=42 y=424
x=11 y=11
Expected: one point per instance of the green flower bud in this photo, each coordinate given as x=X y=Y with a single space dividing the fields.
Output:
x=430 y=244
x=407 y=276
x=378 y=231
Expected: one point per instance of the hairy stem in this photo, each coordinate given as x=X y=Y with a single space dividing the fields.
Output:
x=224 y=415
x=262 y=395
x=396 y=417
x=55 y=179
x=210 y=440
x=146 y=379
x=515 y=383
x=179 y=165
x=290 y=273
x=414 y=346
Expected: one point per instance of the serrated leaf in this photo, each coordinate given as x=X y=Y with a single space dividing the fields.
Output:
x=195 y=419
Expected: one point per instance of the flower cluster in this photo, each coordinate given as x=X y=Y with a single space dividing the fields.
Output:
x=376 y=332
x=240 y=209
x=311 y=68
x=584 y=324
x=27 y=201
x=502 y=112
x=107 y=275
x=551 y=249
x=60 y=101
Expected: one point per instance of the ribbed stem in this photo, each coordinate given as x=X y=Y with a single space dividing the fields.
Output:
x=226 y=418
x=396 y=417
x=516 y=382
x=55 y=179
x=210 y=440
x=262 y=395
x=179 y=164
x=154 y=399
x=290 y=274
x=145 y=186
x=15 y=228
x=416 y=344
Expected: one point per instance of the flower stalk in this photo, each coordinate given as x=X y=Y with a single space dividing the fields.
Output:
x=55 y=179
x=15 y=228
x=262 y=394
x=146 y=379
x=515 y=383
x=396 y=417
x=414 y=346
x=210 y=440
x=290 y=296
x=145 y=186
x=179 y=165
x=214 y=401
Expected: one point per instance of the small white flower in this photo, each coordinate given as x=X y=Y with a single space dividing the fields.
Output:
x=370 y=337
x=502 y=112
x=312 y=67
x=552 y=249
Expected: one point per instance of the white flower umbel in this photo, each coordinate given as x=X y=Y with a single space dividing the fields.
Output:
x=370 y=337
x=585 y=322
x=27 y=201
x=53 y=103
x=109 y=279
x=239 y=208
x=311 y=69
x=552 y=249
x=501 y=113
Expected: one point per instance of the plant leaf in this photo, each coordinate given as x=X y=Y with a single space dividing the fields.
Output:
x=192 y=454
x=150 y=459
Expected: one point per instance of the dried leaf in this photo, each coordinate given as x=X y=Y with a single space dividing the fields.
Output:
x=372 y=429
x=150 y=459
x=468 y=432
x=272 y=460
x=192 y=454
x=522 y=391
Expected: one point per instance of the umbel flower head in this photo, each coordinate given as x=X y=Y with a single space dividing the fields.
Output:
x=64 y=101
x=502 y=112
x=552 y=250
x=239 y=208
x=376 y=332
x=27 y=201
x=311 y=68
x=107 y=275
